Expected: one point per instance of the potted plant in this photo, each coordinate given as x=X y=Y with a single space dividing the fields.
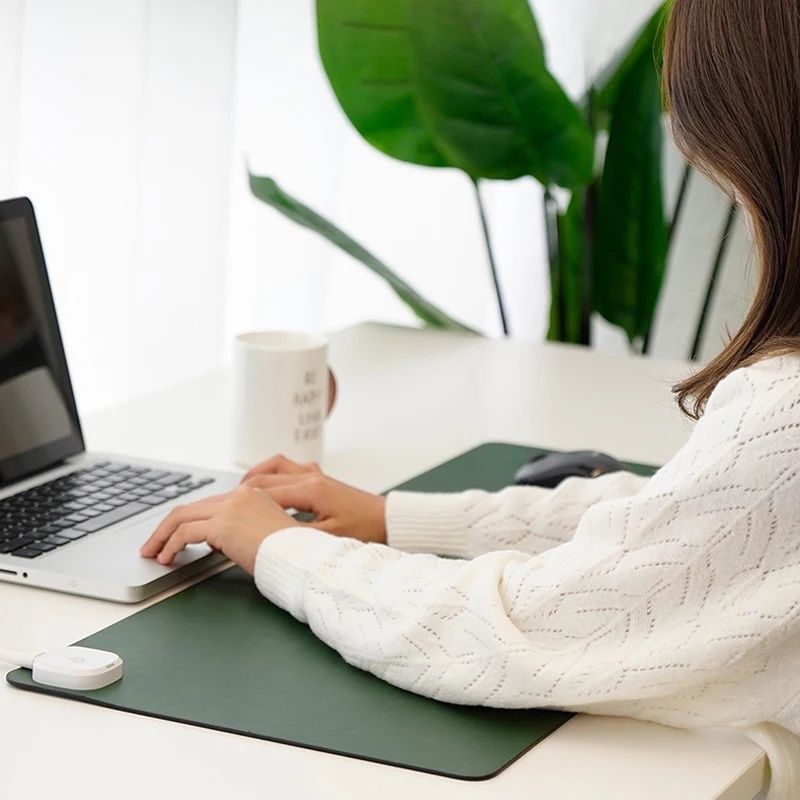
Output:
x=464 y=84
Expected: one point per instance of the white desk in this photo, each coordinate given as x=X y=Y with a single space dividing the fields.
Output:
x=408 y=400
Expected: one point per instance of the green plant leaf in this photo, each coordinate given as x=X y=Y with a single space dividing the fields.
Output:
x=571 y=259
x=366 y=51
x=269 y=192
x=460 y=83
x=606 y=88
x=631 y=234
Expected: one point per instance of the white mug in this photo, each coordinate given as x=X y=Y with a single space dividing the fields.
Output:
x=280 y=396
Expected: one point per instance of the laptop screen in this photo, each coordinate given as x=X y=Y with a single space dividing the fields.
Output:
x=38 y=419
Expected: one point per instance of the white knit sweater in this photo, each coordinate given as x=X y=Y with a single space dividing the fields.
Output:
x=674 y=599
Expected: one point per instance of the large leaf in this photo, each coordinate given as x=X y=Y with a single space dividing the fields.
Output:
x=460 y=83
x=367 y=53
x=606 y=87
x=631 y=235
x=267 y=190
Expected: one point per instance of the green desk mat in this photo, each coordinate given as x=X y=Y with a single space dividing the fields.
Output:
x=217 y=655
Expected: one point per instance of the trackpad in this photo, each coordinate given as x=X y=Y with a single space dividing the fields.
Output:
x=112 y=556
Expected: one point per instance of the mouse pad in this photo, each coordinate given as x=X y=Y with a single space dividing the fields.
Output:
x=219 y=656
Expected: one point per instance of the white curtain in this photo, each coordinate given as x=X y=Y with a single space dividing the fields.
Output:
x=130 y=125
x=117 y=124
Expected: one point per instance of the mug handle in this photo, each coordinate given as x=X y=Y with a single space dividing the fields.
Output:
x=331 y=392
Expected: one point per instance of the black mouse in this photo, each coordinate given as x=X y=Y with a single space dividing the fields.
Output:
x=550 y=469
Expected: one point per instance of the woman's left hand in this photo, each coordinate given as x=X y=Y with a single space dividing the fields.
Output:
x=235 y=524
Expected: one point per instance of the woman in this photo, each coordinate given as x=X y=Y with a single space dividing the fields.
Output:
x=674 y=599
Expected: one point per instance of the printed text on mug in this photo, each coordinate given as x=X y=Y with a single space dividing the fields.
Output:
x=308 y=404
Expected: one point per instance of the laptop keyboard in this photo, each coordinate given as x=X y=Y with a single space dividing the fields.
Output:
x=68 y=508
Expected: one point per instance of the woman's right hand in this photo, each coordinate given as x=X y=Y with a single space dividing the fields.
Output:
x=339 y=509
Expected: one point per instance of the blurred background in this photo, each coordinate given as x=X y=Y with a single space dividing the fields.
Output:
x=131 y=126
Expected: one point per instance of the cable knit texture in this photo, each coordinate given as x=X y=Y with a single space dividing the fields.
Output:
x=674 y=599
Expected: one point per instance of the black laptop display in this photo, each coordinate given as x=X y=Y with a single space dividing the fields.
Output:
x=39 y=424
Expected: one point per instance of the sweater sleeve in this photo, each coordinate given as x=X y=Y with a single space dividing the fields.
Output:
x=527 y=519
x=677 y=604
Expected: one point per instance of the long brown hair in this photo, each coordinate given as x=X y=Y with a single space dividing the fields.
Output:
x=732 y=80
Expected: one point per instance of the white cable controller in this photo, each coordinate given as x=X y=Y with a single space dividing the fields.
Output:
x=77 y=668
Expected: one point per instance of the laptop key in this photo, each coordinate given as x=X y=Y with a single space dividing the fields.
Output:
x=128 y=474
x=73 y=518
x=27 y=552
x=51 y=529
x=16 y=528
x=14 y=544
x=42 y=547
x=73 y=534
x=185 y=489
x=153 y=500
x=171 y=492
x=154 y=475
x=111 y=517
x=57 y=540
x=172 y=478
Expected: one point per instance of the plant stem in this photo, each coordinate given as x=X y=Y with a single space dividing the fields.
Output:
x=587 y=271
x=492 y=263
x=587 y=262
x=558 y=300
x=646 y=341
x=679 y=204
x=712 y=284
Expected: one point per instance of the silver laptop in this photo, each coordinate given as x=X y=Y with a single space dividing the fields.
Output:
x=71 y=520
